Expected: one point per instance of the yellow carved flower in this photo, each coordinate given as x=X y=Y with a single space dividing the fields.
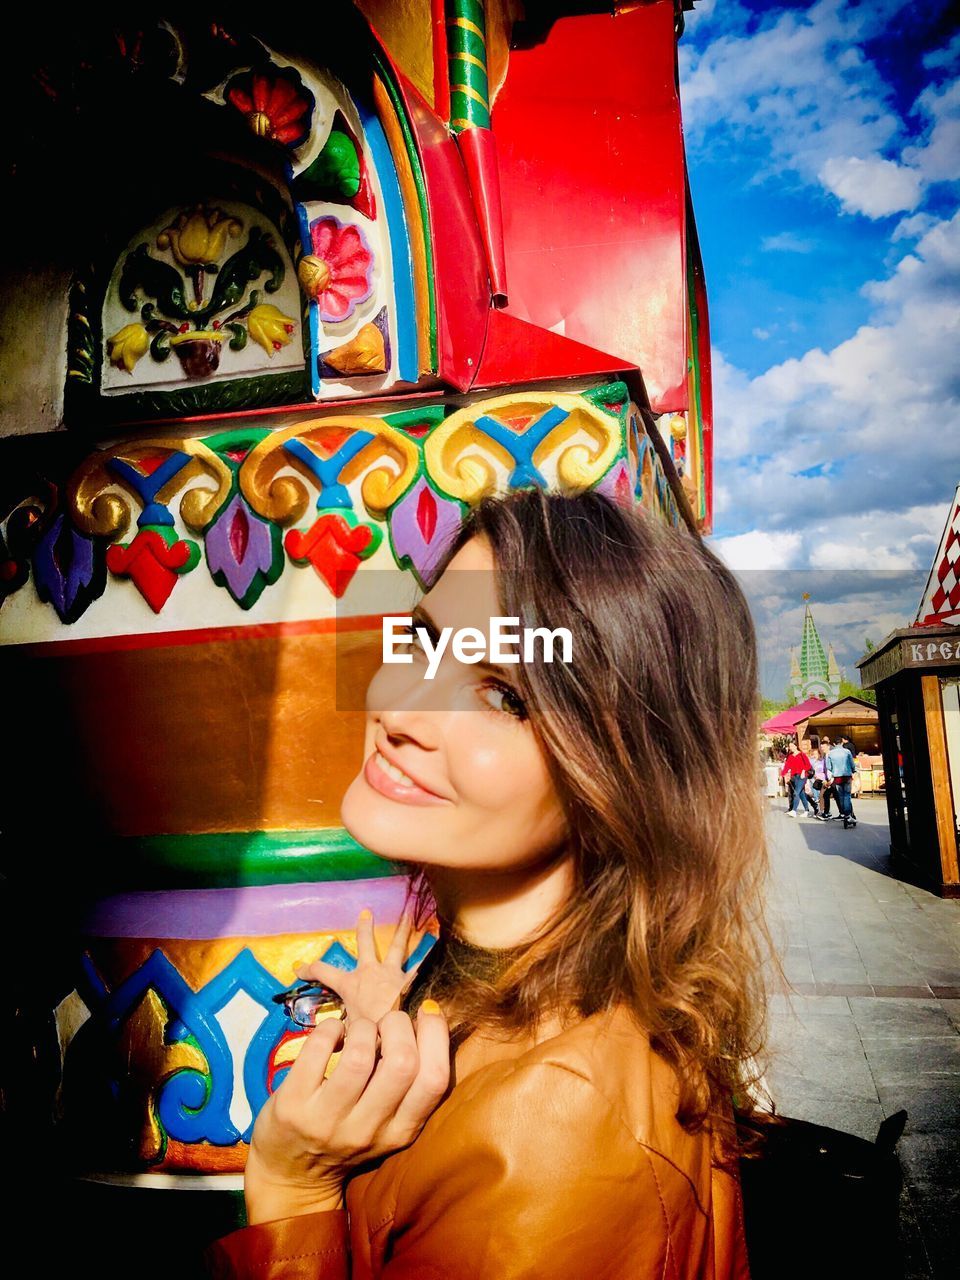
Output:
x=199 y=237
x=128 y=345
x=270 y=327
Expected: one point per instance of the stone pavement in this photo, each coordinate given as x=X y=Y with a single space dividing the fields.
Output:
x=873 y=1024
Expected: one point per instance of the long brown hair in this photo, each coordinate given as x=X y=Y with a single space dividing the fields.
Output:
x=647 y=739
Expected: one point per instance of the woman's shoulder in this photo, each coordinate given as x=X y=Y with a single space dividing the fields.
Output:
x=548 y=1153
x=603 y=1064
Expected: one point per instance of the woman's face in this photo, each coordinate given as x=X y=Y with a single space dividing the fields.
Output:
x=485 y=801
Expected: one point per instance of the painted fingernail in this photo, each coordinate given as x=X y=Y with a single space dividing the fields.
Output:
x=366 y=913
x=430 y=1006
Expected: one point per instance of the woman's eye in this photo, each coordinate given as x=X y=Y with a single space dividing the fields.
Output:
x=503 y=700
x=409 y=644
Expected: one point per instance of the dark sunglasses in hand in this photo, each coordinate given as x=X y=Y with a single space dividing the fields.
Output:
x=308 y=1003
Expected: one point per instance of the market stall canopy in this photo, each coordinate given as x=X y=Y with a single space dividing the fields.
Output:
x=845 y=711
x=855 y=717
x=787 y=721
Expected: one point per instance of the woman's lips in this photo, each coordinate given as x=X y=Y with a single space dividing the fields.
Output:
x=404 y=792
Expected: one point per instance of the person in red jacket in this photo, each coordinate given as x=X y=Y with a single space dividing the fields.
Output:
x=795 y=769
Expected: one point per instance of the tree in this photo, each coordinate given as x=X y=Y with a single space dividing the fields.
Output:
x=770 y=707
x=850 y=690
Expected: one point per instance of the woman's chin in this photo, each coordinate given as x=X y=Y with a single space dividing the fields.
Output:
x=373 y=821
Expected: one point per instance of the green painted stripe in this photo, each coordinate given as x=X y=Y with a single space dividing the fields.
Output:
x=465 y=109
x=386 y=76
x=235 y=858
x=460 y=40
x=610 y=393
x=472 y=10
x=414 y=417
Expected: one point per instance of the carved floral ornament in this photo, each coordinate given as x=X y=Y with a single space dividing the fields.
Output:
x=275 y=103
x=320 y=494
x=314 y=157
x=209 y=283
x=191 y=306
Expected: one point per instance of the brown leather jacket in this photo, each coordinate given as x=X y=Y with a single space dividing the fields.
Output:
x=556 y=1160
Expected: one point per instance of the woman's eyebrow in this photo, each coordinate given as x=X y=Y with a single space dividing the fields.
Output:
x=419 y=614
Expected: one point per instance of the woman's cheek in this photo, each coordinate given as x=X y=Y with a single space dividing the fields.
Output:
x=387 y=688
x=489 y=773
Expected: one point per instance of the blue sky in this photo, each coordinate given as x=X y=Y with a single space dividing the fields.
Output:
x=823 y=143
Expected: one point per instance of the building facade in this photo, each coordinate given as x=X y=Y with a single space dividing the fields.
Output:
x=289 y=299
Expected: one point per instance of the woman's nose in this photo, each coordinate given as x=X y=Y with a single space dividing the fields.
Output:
x=412 y=721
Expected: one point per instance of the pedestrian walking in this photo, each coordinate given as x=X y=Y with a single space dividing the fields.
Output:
x=821 y=781
x=855 y=778
x=827 y=792
x=795 y=769
x=841 y=764
x=787 y=789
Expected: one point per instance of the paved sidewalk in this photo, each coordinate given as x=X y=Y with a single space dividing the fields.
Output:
x=874 y=1024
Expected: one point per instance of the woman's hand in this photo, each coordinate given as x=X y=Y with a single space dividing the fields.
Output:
x=312 y=1130
x=374 y=987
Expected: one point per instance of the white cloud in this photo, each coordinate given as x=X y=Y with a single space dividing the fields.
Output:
x=874 y=186
x=928 y=275
x=787 y=242
x=797 y=88
x=937 y=157
x=881 y=540
x=761 y=335
x=870 y=422
x=758 y=550
x=912 y=228
x=945 y=57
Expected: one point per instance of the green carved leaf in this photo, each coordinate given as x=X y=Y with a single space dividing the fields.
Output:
x=245 y=266
x=157 y=280
x=239 y=339
x=335 y=172
x=268 y=260
x=160 y=346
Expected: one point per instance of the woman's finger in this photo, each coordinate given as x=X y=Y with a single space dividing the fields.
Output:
x=397 y=951
x=350 y=1076
x=306 y=1074
x=433 y=1074
x=396 y=1071
x=366 y=939
x=330 y=975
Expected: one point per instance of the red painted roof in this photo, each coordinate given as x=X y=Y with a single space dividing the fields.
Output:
x=593 y=187
x=786 y=721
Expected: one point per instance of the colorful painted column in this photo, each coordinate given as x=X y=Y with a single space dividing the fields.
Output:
x=264 y=371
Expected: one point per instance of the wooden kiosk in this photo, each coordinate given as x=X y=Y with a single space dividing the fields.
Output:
x=916 y=673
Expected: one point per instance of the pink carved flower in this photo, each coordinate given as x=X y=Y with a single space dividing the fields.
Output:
x=338 y=275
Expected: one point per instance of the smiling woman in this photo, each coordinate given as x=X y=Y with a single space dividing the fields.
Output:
x=571 y=1110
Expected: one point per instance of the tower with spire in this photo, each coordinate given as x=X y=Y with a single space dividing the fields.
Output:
x=814 y=672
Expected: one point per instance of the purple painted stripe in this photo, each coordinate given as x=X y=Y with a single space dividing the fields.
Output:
x=254 y=910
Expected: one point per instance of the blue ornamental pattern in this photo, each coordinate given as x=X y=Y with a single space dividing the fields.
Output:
x=193 y=1107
